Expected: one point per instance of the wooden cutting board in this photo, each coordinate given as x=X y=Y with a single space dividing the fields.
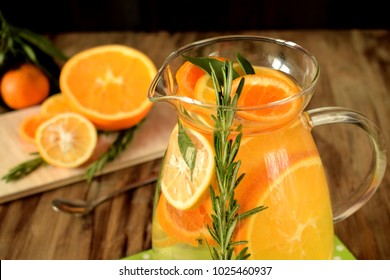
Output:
x=149 y=143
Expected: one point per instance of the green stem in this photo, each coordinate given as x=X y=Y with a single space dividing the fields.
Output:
x=23 y=169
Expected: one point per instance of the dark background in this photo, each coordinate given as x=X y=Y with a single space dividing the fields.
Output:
x=200 y=15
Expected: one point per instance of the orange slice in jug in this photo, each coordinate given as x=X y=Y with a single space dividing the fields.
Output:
x=262 y=100
x=187 y=77
x=187 y=226
x=185 y=189
x=293 y=218
x=267 y=90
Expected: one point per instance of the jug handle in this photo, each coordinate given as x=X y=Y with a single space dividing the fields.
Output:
x=330 y=115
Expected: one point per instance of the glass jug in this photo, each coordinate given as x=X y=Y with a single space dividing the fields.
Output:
x=241 y=177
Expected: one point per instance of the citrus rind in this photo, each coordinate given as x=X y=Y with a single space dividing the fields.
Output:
x=299 y=220
x=66 y=140
x=185 y=190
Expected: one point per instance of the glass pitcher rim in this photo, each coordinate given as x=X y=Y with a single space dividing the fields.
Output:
x=226 y=38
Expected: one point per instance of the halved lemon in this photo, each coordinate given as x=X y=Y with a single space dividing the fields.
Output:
x=184 y=188
x=66 y=140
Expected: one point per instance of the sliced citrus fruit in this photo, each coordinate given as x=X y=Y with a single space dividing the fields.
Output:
x=108 y=84
x=183 y=188
x=298 y=221
x=258 y=103
x=66 y=140
x=262 y=88
x=160 y=238
x=187 y=226
x=30 y=124
x=204 y=90
x=266 y=90
x=187 y=77
x=55 y=104
x=266 y=71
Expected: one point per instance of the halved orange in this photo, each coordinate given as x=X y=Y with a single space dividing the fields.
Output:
x=55 y=104
x=108 y=84
x=66 y=140
x=298 y=221
x=29 y=125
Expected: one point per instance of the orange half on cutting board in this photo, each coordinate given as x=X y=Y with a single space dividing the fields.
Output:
x=108 y=84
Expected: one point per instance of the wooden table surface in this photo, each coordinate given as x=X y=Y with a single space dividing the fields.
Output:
x=355 y=73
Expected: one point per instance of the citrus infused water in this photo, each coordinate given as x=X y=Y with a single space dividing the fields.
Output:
x=281 y=166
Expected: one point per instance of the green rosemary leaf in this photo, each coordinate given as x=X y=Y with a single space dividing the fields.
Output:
x=251 y=212
x=187 y=148
x=213 y=234
x=239 y=179
x=224 y=152
x=120 y=144
x=230 y=231
x=230 y=253
x=212 y=194
x=23 y=169
x=218 y=96
x=242 y=242
x=228 y=81
x=245 y=64
x=233 y=209
x=243 y=254
x=235 y=148
x=214 y=253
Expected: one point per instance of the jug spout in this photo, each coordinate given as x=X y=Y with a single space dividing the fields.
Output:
x=164 y=89
x=161 y=87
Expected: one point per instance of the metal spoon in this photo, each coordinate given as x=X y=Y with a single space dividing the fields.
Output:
x=81 y=207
